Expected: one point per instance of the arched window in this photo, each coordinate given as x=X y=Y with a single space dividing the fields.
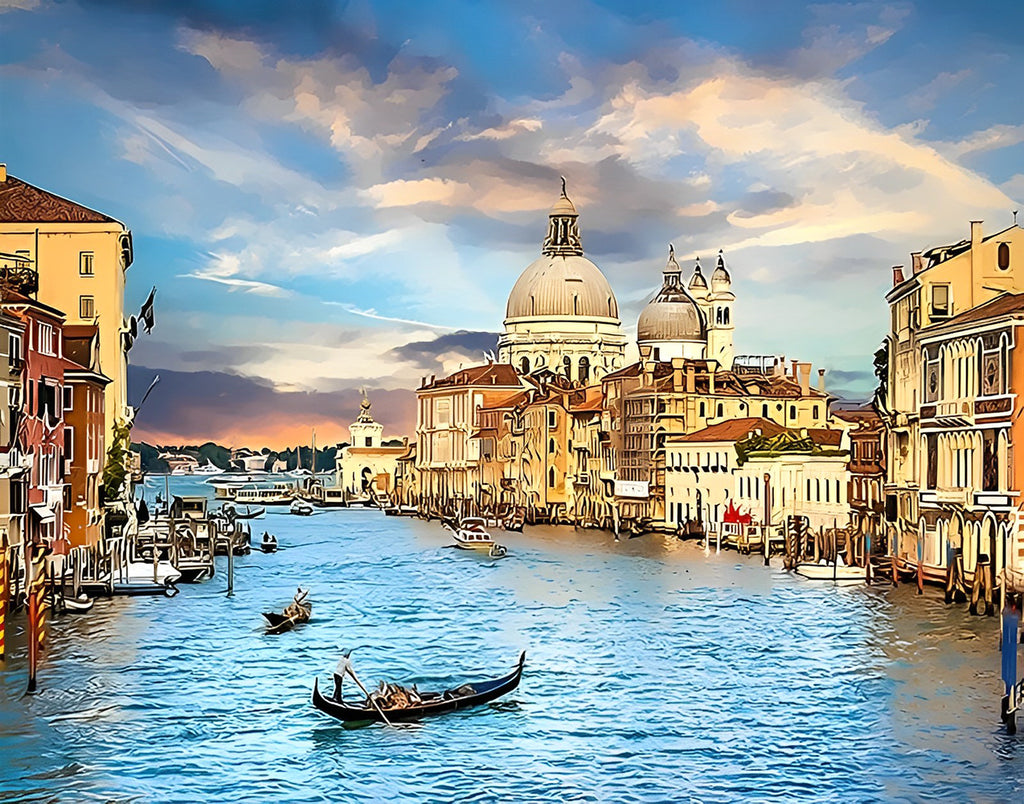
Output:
x=567 y=367
x=551 y=477
x=551 y=446
x=721 y=410
x=1003 y=256
x=725 y=316
x=764 y=411
x=808 y=488
x=702 y=409
x=526 y=365
x=575 y=305
x=584 y=369
x=792 y=411
x=533 y=306
x=610 y=313
x=814 y=412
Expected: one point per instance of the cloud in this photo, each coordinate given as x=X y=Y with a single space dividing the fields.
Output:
x=446 y=350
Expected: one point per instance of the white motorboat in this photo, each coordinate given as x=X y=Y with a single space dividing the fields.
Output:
x=470 y=534
x=300 y=508
x=839 y=573
x=208 y=469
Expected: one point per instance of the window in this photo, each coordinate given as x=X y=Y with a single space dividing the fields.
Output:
x=764 y=411
x=940 y=301
x=702 y=409
x=45 y=345
x=13 y=349
x=69 y=443
x=369 y=441
x=721 y=410
x=814 y=412
x=725 y=315
x=551 y=477
x=85 y=267
x=1003 y=256
x=552 y=421
x=792 y=411
x=525 y=365
x=69 y=398
x=551 y=446
x=584 y=369
x=86 y=307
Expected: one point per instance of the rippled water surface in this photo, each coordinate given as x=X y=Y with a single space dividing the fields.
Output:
x=653 y=673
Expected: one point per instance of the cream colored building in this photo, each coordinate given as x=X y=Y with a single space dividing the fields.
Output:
x=561 y=313
x=952 y=403
x=366 y=466
x=81 y=257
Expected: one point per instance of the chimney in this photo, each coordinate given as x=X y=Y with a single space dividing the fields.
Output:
x=805 y=379
x=780 y=367
x=975 y=233
x=423 y=381
x=691 y=379
x=897 y=275
x=821 y=380
x=677 y=373
x=917 y=261
x=794 y=364
x=712 y=365
x=432 y=376
x=3 y=172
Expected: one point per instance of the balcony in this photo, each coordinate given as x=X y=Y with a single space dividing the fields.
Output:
x=15 y=364
x=14 y=462
x=954 y=496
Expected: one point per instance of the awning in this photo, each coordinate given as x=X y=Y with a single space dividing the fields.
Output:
x=43 y=514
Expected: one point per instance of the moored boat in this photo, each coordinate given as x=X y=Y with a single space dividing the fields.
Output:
x=839 y=573
x=300 y=508
x=431 y=703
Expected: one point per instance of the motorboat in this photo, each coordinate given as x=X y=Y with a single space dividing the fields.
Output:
x=76 y=605
x=300 y=508
x=401 y=706
x=838 y=572
x=469 y=533
x=208 y=469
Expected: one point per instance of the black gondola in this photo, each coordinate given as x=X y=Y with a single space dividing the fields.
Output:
x=434 y=703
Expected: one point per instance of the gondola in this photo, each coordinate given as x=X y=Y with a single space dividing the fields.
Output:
x=434 y=703
x=279 y=623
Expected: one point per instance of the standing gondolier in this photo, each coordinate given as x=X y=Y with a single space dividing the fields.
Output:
x=345 y=668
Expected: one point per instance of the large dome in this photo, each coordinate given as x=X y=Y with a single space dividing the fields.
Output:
x=672 y=315
x=562 y=283
x=555 y=286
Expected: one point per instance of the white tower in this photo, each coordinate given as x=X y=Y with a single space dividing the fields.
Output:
x=364 y=431
x=720 y=317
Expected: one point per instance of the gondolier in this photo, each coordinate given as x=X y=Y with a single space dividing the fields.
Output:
x=345 y=668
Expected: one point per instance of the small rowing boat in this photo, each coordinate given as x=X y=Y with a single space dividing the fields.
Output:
x=297 y=612
x=839 y=573
x=431 y=703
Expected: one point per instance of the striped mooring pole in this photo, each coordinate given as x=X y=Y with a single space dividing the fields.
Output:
x=36 y=586
x=5 y=593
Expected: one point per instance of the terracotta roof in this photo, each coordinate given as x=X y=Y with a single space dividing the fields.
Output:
x=495 y=374
x=21 y=202
x=864 y=415
x=1001 y=305
x=510 y=401
x=734 y=430
x=826 y=438
x=590 y=404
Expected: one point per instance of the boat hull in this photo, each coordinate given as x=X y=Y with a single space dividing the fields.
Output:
x=830 y=573
x=484 y=692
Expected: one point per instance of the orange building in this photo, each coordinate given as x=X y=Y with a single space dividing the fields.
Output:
x=84 y=445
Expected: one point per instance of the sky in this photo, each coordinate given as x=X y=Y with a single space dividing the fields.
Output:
x=331 y=196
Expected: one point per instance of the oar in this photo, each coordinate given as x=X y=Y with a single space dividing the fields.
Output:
x=371 y=699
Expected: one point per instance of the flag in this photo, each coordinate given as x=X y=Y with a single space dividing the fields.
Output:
x=146 y=313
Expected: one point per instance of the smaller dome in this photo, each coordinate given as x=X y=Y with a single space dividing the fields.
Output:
x=673 y=315
x=720 y=279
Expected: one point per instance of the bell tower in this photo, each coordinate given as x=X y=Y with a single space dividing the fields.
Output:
x=720 y=316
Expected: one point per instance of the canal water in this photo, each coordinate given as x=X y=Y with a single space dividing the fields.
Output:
x=653 y=673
